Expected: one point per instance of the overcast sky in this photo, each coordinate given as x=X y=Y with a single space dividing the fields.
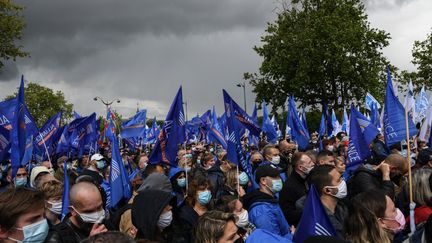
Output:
x=140 y=51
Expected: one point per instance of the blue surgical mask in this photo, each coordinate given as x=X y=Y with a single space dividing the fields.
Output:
x=36 y=232
x=276 y=185
x=243 y=178
x=204 y=197
x=181 y=182
x=100 y=164
x=19 y=182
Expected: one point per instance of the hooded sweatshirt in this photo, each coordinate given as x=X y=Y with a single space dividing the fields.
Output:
x=156 y=181
x=146 y=209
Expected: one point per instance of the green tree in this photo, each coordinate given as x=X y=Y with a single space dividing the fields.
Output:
x=43 y=103
x=320 y=51
x=11 y=26
x=422 y=58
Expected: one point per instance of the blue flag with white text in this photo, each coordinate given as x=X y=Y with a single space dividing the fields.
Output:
x=44 y=139
x=235 y=154
x=358 y=149
x=135 y=127
x=394 y=117
x=119 y=180
x=314 y=220
x=171 y=135
x=22 y=133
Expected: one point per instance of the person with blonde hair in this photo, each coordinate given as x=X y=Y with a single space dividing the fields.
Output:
x=423 y=194
x=373 y=217
x=216 y=226
x=53 y=193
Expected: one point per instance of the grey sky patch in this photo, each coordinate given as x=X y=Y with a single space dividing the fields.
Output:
x=141 y=51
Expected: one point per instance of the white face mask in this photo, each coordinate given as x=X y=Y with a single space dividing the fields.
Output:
x=56 y=207
x=165 y=220
x=93 y=218
x=342 y=190
x=275 y=160
x=243 y=219
x=330 y=148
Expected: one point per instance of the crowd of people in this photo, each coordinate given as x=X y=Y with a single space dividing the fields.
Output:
x=206 y=198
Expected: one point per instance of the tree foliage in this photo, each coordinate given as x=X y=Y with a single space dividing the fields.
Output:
x=320 y=51
x=11 y=26
x=43 y=103
x=422 y=58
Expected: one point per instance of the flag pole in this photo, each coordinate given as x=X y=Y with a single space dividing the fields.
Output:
x=412 y=203
x=46 y=149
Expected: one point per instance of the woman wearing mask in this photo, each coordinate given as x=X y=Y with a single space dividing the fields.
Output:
x=53 y=192
x=196 y=204
x=178 y=180
x=231 y=181
x=231 y=204
x=373 y=217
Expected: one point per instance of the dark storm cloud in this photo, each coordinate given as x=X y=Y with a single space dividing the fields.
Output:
x=61 y=33
x=8 y=71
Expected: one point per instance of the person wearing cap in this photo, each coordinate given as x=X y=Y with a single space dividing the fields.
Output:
x=263 y=205
x=96 y=168
x=38 y=175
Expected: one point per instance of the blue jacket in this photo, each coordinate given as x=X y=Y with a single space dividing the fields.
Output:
x=261 y=236
x=265 y=213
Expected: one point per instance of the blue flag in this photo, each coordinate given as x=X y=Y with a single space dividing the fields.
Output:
x=4 y=143
x=304 y=121
x=216 y=133
x=135 y=127
x=298 y=132
x=22 y=133
x=65 y=198
x=370 y=101
x=119 y=181
x=375 y=116
x=76 y=115
x=394 y=117
x=244 y=119
x=328 y=122
x=171 y=135
x=345 y=122
x=7 y=110
x=46 y=137
x=153 y=132
x=368 y=130
x=235 y=153
x=358 y=149
x=314 y=220
x=268 y=127
x=84 y=134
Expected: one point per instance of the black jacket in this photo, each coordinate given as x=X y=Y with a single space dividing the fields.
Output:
x=187 y=221
x=293 y=189
x=146 y=209
x=365 y=178
x=66 y=232
x=216 y=178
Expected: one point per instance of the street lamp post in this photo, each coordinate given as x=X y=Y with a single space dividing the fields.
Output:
x=185 y=103
x=107 y=104
x=243 y=85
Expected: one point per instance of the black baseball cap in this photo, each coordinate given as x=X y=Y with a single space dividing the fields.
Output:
x=266 y=170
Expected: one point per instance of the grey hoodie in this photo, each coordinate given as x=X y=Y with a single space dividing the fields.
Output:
x=156 y=181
